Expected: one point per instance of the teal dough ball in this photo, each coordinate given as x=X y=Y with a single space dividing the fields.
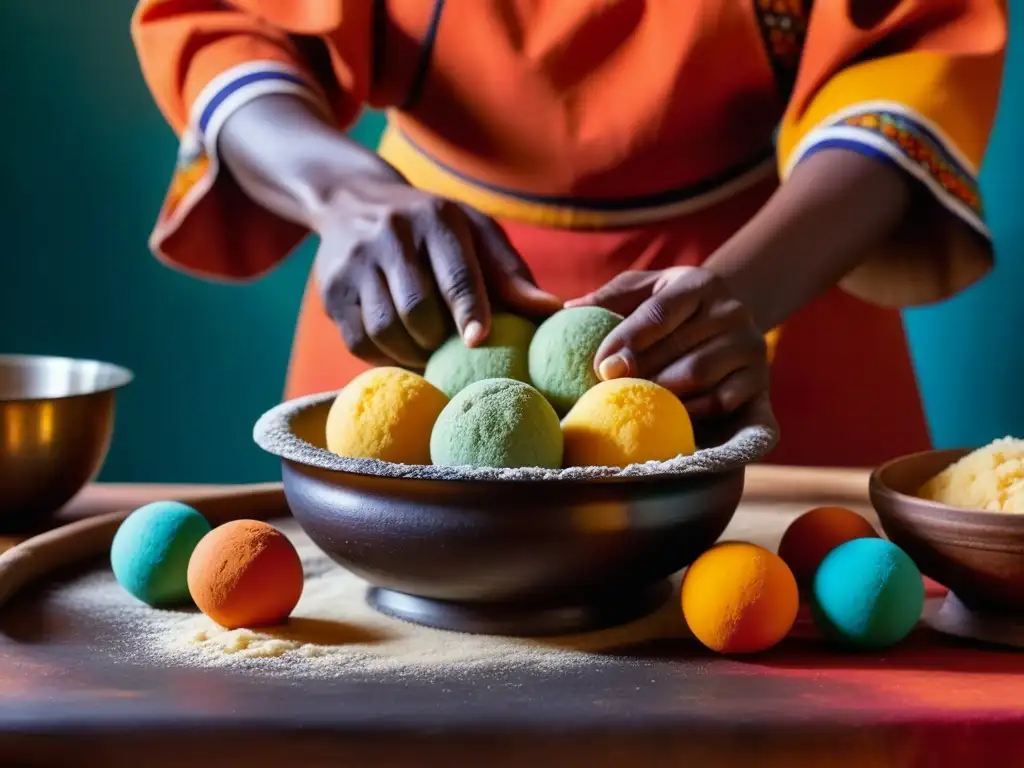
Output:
x=562 y=353
x=867 y=593
x=151 y=550
x=504 y=355
x=499 y=423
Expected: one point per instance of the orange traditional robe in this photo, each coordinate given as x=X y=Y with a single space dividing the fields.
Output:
x=607 y=135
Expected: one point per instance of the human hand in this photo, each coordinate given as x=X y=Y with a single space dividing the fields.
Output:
x=395 y=263
x=684 y=331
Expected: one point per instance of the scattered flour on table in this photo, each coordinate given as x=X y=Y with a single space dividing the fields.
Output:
x=332 y=632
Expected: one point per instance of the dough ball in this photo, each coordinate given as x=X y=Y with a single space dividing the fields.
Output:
x=562 y=353
x=386 y=414
x=867 y=594
x=739 y=598
x=814 y=534
x=499 y=423
x=504 y=355
x=151 y=549
x=245 y=574
x=626 y=421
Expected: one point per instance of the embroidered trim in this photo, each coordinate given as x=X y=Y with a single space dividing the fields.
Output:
x=194 y=175
x=915 y=141
x=237 y=86
x=783 y=26
x=896 y=133
x=197 y=166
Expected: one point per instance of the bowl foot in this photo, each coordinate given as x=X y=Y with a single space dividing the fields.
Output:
x=952 y=617
x=521 y=620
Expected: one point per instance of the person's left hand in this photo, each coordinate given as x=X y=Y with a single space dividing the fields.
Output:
x=684 y=331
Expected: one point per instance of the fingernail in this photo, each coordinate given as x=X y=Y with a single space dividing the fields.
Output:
x=582 y=301
x=473 y=334
x=615 y=367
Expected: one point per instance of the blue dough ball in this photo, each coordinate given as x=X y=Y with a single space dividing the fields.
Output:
x=151 y=550
x=868 y=594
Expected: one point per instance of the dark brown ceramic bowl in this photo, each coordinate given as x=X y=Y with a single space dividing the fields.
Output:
x=977 y=555
x=506 y=557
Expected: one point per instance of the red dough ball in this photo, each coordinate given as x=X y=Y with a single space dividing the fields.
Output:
x=814 y=534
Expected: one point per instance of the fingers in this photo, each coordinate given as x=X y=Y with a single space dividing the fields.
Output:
x=657 y=317
x=414 y=293
x=738 y=389
x=505 y=272
x=349 y=318
x=626 y=292
x=389 y=276
x=685 y=332
x=622 y=294
x=719 y=319
x=706 y=367
x=341 y=301
x=668 y=276
x=383 y=324
x=452 y=255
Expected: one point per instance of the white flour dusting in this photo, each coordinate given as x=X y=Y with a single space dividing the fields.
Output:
x=747 y=439
x=332 y=631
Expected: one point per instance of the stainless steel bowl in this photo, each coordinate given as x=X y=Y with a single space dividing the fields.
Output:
x=56 y=421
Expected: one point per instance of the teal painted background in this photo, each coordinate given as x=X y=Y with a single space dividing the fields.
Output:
x=85 y=159
x=968 y=351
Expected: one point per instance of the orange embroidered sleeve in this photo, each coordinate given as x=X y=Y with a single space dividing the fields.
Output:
x=913 y=83
x=202 y=60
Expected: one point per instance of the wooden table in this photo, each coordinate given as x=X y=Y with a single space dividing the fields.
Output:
x=929 y=702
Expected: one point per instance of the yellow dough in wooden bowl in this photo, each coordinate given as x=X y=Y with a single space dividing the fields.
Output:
x=626 y=421
x=386 y=414
x=990 y=479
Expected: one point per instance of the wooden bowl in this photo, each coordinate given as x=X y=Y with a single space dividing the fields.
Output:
x=511 y=557
x=977 y=555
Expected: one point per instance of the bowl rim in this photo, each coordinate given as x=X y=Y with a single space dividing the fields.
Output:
x=122 y=376
x=954 y=516
x=721 y=475
x=272 y=432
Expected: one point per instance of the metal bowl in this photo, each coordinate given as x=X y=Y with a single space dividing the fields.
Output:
x=510 y=557
x=56 y=421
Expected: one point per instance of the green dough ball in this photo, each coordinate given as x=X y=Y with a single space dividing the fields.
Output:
x=562 y=353
x=497 y=423
x=151 y=550
x=454 y=366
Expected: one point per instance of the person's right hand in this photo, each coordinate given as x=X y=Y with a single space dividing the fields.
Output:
x=396 y=265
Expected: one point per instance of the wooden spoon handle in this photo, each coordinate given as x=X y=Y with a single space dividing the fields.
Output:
x=33 y=559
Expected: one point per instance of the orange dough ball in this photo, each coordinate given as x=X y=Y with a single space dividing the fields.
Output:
x=739 y=598
x=814 y=534
x=245 y=574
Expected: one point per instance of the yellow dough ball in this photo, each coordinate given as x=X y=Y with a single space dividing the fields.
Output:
x=626 y=421
x=386 y=414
